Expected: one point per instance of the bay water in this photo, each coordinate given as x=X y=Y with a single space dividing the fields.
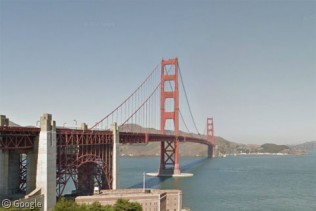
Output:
x=266 y=182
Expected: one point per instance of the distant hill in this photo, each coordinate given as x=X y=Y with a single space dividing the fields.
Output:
x=13 y=124
x=193 y=149
x=186 y=149
x=273 y=148
x=223 y=146
x=307 y=146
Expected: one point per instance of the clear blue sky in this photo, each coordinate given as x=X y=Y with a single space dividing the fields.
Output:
x=250 y=64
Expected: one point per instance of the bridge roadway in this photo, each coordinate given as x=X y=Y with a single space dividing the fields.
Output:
x=22 y=137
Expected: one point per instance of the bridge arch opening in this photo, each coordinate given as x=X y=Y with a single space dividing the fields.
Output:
x=85 y=172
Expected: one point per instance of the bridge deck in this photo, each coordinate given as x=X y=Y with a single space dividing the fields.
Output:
x=22 y=137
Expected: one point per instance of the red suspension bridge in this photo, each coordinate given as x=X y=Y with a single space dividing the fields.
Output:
x=140 y=112
x=150 y=114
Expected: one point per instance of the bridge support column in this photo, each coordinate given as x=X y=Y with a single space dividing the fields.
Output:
x=115 y=158
x=2 y=175
x=210 y=137
x=176 y=169
x=31 y=167
x=211 y=151
x=169 y=160
x=10 y=169
x=162 y=166
x=4 y=121
x=46 y=161
x=9 y=165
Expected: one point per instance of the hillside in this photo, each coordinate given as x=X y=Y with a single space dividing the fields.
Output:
x=186 y=149
x=272 y=148
x=223 y=147
x=13 y=124
x=307 y=146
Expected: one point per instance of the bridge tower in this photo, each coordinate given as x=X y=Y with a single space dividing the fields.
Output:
x=169 y=150
x=210 y=136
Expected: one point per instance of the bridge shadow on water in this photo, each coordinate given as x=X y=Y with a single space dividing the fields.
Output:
x=191 y=167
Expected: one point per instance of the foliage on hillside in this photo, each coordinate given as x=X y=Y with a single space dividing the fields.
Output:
x=120 y=205
x=273 y=148
x=186 y=149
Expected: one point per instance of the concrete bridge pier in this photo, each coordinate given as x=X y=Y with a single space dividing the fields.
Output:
x=115 y=156
x=10 y=167
x=211 y=151
x=9 y=176
x=46 y=161
x=3 y=158
x=4 y=121
x=2 y=182
x=31 y=167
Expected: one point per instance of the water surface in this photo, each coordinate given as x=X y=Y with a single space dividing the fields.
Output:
x=234 y=183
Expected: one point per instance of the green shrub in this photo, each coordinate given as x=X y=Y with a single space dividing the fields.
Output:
x=66 y=205
x=120 y=205
x=125 y=205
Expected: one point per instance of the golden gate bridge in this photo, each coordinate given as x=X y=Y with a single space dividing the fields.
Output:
x=151 y=113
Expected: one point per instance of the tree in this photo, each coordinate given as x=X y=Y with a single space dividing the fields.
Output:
x=125 y=205
x=120 y=205
x=96 y=206
x=66 y=205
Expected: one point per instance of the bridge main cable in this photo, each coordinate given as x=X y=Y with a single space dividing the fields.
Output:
x=142 y=104
x=187 y=100
x=128 y=98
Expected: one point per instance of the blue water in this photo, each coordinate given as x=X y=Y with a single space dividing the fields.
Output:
x=234 y=183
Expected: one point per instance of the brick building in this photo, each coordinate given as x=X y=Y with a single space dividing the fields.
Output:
x=150 y=199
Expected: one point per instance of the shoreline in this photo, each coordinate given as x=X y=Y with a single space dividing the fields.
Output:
x=231 y=155
x=263 y=154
